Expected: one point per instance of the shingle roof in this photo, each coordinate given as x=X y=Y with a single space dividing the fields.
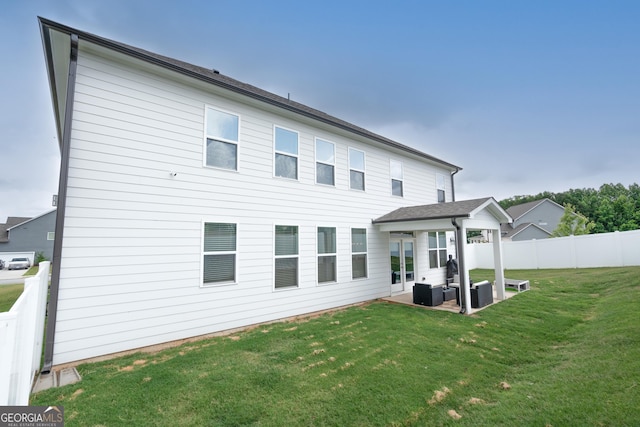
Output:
x=463 y=208
x=12 y=221
x=509 y=232
x=517 y=211
x=214 y=77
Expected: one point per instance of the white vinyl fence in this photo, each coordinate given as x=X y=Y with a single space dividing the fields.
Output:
x=617 y=249
x=21 y=337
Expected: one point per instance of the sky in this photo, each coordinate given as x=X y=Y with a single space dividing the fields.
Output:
x=524 y=96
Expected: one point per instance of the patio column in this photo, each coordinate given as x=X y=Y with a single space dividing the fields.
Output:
x=422 y=256
x=463 y=270
x=498 y=265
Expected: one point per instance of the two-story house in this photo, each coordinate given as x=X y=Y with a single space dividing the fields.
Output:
x=28 y=235
x=191 y=203
x=532 y=220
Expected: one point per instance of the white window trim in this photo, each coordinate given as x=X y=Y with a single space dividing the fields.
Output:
x=401 y=179
x=315 y=169
x=441 y=184
x=206 y=136
x=51 y=235
x=203 y=253
x=318 y=255
x=297 y=256
x=364 y=172
x=437 y=248
x=284 y=153
x=359 y=253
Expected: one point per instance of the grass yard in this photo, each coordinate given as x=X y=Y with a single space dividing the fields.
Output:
x=8 y=295
x=566 y=353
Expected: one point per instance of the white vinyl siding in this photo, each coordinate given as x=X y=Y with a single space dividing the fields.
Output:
x=397 y=178
x=356 y=169
x=221 y=132
x=325 y=162
x=285 y=153
x=286 y=256
x=126 y=213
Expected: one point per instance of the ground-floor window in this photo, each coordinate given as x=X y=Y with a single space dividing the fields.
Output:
x=286 y=256
x=437 y=249
x=219 y=253
x=327 y=255
x=358 y=253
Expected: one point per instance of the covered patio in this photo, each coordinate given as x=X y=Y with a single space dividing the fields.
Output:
x=450 y=306
x=455 y=219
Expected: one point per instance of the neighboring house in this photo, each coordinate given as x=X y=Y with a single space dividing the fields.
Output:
x=191 y=203
x=29 y=234
x=532 y=220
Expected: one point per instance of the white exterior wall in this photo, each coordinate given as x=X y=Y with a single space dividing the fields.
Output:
x=131 y=254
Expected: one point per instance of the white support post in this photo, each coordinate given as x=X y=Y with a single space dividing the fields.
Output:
x=464 y=277
x=498 y=266
x=422 y=256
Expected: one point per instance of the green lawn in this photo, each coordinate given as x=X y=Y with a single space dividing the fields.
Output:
x=566 y=353
x=8 y=295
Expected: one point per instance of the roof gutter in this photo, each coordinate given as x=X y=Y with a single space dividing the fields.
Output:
x=62 y=194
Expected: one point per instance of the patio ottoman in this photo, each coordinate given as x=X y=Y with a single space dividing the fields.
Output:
x=449 y=294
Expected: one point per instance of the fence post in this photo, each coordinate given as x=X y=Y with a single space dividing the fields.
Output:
x=41 y=313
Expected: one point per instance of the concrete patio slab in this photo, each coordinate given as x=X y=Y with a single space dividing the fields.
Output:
x=450 y=306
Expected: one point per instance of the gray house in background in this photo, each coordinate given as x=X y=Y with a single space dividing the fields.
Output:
x=29 y=234
x=533 y=220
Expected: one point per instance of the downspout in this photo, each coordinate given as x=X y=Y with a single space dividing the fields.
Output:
x=52 y=310
x=461 y=270
x=453 y=187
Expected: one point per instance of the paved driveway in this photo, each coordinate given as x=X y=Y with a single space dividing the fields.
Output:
x=11 y=276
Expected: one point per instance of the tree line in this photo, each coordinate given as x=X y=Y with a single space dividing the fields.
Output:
x=612 y=207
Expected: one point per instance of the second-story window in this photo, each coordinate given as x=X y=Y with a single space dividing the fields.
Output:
x=325 y=162
x=286 y=153
x=222 y=130
x=440 y=187
x=397 y=178
x=356 y=169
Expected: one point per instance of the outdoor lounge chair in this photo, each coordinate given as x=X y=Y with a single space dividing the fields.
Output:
x=426 y=294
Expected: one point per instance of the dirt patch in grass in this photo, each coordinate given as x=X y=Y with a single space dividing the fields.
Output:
x=439 y=395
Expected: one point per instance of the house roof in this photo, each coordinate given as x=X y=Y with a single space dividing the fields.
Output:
x=517 y=211
x=31 y=219
x=509 y=232
x=12 y=221
x=460 y=209
x=215 y=78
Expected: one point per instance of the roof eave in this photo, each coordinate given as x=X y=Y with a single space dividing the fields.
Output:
x=418 y=219
x=283 y=103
